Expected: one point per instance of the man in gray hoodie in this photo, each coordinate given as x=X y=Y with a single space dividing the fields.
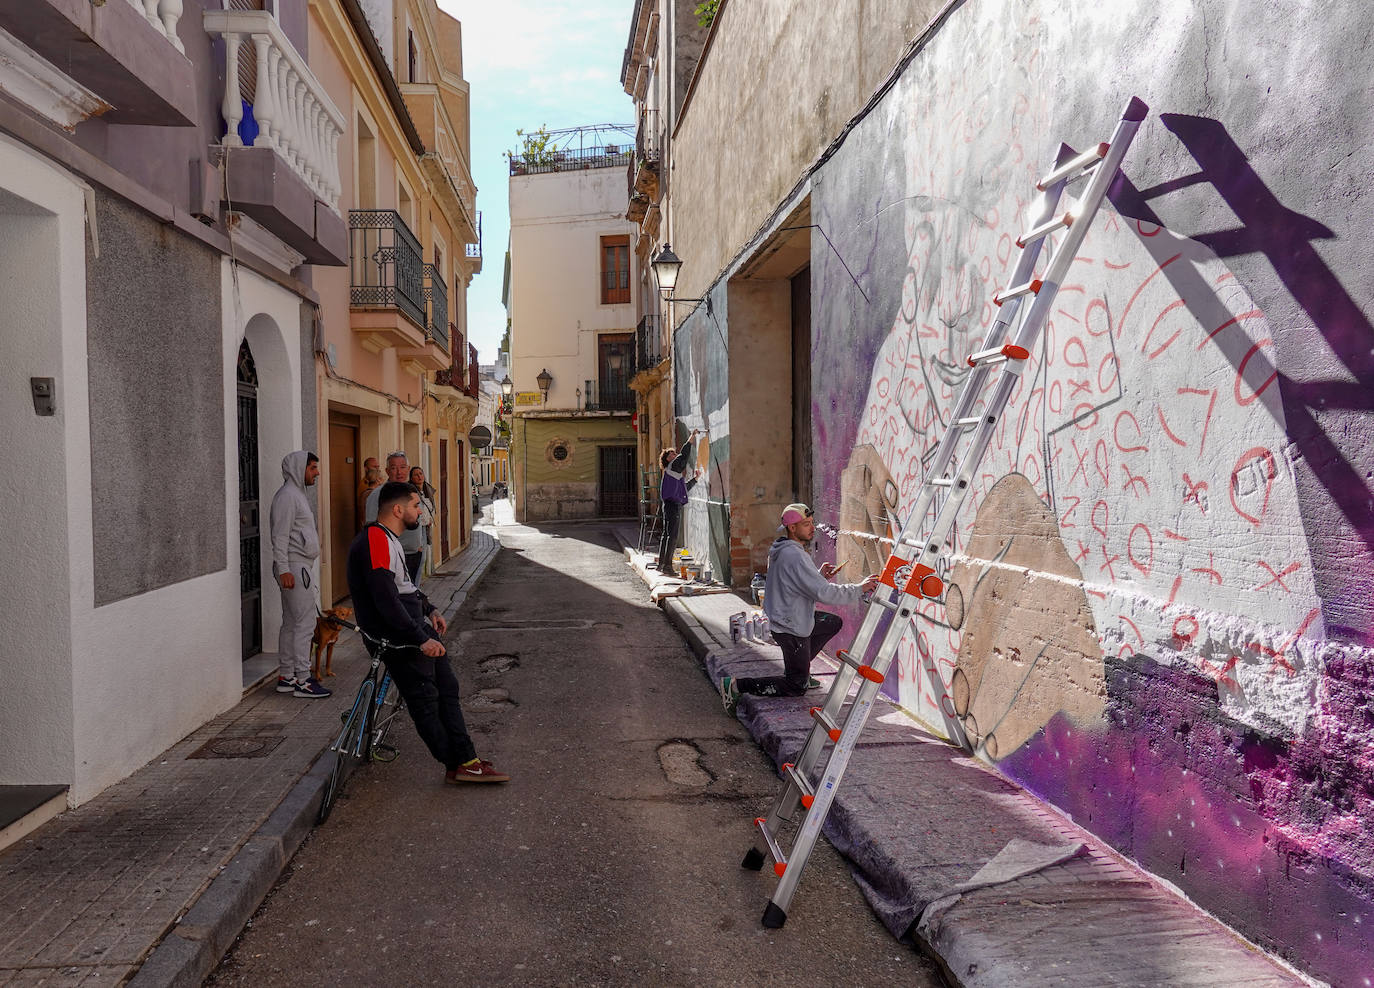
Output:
x=793 y=589
x=295 y=549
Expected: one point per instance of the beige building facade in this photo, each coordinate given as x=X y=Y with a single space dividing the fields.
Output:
x=395 y=370
x=571 y=301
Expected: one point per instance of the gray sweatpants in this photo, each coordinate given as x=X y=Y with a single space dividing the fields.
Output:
x=297 y=627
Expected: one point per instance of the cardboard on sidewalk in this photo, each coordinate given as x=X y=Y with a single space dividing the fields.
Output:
x=956 y=858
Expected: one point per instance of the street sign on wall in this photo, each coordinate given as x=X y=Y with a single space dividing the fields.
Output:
x=479 y=437
x=528 y=398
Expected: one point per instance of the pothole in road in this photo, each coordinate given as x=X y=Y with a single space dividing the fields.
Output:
x=497 y=663
x=681 y=762
x=494 y=698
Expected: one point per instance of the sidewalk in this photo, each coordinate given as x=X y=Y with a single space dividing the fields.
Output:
x=190 y=843
x=996 y=885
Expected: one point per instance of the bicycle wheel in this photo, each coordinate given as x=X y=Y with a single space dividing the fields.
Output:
x=385 y=709
x=347 y=748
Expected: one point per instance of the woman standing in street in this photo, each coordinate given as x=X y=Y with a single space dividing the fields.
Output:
x=417 y=479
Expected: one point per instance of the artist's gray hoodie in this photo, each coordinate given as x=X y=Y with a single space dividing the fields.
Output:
x=795 y=586
x=295 y=541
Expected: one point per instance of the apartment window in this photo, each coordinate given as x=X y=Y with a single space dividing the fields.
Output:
x=413 y=56
x=615 y=270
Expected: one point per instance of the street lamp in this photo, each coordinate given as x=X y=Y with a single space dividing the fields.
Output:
x=507 y=386
x=666 y=266
x=544 y=380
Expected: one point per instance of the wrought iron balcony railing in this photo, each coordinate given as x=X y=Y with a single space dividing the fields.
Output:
x=436 y=294
x=455 y=374
x=611 y=394
x=573 y=159
x=475 y=250
x=648 y=343
x=385 y=265
x=648 y=138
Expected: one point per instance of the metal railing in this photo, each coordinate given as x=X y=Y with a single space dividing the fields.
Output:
x=648 y=138
x=455 y=374
x=436 y=294
x=612 y=394
x=474 y=388
x=384 y=263
x=648 y=343
x=475 y=250
x=573 y=159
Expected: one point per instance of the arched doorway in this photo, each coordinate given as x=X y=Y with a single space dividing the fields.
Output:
x=250 y=540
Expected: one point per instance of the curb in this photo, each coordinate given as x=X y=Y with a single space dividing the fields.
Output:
x=198 y=941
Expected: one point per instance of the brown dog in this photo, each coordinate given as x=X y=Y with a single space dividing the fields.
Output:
x=326 y=634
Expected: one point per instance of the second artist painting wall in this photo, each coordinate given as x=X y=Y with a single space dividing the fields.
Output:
x=1161 y=588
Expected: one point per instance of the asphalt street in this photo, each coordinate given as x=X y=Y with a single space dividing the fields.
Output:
x=612 y=858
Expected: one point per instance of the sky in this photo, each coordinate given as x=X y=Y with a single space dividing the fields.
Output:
x=530 y=63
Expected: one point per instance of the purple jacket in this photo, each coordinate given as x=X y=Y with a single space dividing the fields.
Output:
x=674 y=486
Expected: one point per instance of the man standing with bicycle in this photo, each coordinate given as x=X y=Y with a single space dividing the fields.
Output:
x=389 y=606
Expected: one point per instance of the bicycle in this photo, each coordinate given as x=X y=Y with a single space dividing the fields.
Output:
x=367 y=723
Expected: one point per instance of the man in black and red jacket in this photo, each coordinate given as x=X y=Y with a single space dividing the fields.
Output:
x=390 y=607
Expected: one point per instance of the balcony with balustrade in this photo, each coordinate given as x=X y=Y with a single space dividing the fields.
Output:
x=122 y=59
x=281 y=143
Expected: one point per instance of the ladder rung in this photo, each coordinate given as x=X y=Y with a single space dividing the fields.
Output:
x=779 y=859
x=882 y=601
x=832 y=729
x=808 y=795
x=1009 y=352
x=1045 y=229
x=843 y=656
x=1085 y=159
x=871 y=674
x=972 y=420
x=941 y=482
x=1031 y=287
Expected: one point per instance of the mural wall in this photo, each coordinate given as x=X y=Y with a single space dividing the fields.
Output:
x=701 y=400
x=1160 y=615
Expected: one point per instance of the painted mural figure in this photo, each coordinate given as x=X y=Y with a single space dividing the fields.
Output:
x=794 y=587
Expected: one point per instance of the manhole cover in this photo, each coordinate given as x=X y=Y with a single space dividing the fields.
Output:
x=491 y=699
x=497 y=663
x=255 y=747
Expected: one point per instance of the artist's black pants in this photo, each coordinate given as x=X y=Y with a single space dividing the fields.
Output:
x=797 y=654
x=667 y=542
x=430 y=690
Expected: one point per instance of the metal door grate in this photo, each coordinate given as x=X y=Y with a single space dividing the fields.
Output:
x=616 y=492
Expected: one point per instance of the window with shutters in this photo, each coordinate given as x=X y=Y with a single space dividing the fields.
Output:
x=615 y=270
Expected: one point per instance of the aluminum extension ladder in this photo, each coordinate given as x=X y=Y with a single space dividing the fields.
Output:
x=905 y=581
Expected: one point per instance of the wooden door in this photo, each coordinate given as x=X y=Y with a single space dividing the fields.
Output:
x=343 y=502
x=443 y=499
